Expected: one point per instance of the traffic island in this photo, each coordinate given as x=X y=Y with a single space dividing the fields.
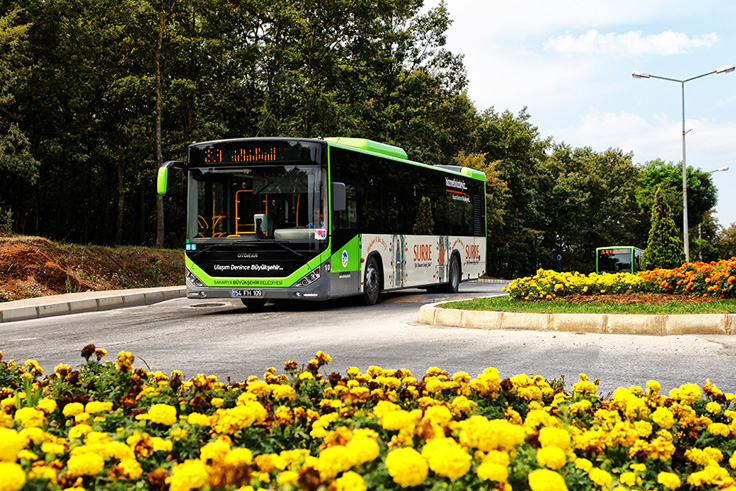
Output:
x=434 y=314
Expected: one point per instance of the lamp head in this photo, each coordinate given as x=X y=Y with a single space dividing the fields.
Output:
x=640 y=75
x=726 y=69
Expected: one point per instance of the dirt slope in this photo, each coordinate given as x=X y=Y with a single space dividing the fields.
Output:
x=34 y=266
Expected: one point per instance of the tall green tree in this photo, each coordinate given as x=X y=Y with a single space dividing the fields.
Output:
x=702 y=194
x=515 y=246
x=664 y=247
x=591 y=203
x=17 y=162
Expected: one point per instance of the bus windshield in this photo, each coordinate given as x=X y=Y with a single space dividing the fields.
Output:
x=257 y=203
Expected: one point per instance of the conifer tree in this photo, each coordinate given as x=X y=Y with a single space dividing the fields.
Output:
x=664 y=246
x=424 y=224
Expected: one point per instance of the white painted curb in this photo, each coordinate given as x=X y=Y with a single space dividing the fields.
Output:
x=103 y=302
x=596 y=323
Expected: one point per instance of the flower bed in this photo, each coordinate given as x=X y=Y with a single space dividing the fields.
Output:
x=715 y=279
x=110 y=426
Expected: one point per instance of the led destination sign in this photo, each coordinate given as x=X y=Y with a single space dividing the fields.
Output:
x=246 y=151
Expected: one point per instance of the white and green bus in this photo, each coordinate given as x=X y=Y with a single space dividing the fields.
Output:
x=313 y=219
x=618 y=259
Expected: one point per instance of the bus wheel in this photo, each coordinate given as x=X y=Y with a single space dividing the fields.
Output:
x=371 y=282
x=453 y=285
x=254 y=303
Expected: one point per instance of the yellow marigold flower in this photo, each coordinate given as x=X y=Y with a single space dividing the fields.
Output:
x=52 y=448
x=94 y=407
x=349 y=481
x=85 y=464
x=43 y=472
x=30 y=417
x=663 y=417
x=446 y=458
x=47 y=405
x=332 y=461
x=124 y=361
x=10 y=444
x=78 y=431
x=288 y=478
x=283 y=392
x=669 y=480
x=719 y=429
x=362 y=449
x=638 y=467
x=407 y=467
x=239 y=456
x=713 y=407
x=396 y=420
x=551 y=457
x=629 y=478
x=653 y=386
x=599 y=476
x=686 y=393
x=198 y=419
x=488 y=471
x=27 y=455
x=73 y=408
x=440 y=415
x=283 y=415
x=190 y=474
x=552 y=436
x=643 y=428
x=217 y=401
x=546 y=480
x=131 y=468
x=14 y=477
x=232 y=420
x=162 y=414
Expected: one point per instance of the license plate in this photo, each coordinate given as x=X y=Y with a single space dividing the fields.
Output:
x=247 y=293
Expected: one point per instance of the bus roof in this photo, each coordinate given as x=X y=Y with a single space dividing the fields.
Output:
x=370 y=145
x=397 y=152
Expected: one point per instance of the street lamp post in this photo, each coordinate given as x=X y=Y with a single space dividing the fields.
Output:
x=700 y=237
x=723 y=69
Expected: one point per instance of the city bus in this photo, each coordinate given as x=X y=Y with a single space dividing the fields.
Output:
x=618 y=259
x=314 y=219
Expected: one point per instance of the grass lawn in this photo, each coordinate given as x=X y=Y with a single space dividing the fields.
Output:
x=504 y=303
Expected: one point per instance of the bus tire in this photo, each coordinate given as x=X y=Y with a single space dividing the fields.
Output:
x=371 y=282
x=453 y=285
x=254 y=303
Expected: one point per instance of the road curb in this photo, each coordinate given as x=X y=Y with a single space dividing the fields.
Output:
x=87 y=302
x=675 y=324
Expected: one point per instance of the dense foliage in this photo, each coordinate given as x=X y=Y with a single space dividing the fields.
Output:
x=715 y=279
x=664 y=247
x=94 y=96
x=109 y=426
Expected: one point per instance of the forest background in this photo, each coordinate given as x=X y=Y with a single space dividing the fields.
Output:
x=96 y=94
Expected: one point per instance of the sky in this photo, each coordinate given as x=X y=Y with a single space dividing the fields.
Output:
x=570 y=63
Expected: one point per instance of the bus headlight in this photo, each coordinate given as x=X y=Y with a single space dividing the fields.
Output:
x=309 y=278
x=192 y=278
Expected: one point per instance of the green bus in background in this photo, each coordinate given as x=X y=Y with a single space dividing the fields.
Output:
x=618 y=259
x=313 y=219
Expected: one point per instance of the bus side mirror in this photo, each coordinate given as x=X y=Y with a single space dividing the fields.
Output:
x=162 y=181
x=338 y=196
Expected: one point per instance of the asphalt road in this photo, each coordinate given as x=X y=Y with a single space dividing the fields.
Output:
x=223 y=338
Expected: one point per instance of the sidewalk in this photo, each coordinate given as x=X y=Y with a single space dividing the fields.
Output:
x=73 y=303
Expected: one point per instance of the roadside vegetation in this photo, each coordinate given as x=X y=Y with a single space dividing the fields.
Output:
x=106 y=425
x=618 y=304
